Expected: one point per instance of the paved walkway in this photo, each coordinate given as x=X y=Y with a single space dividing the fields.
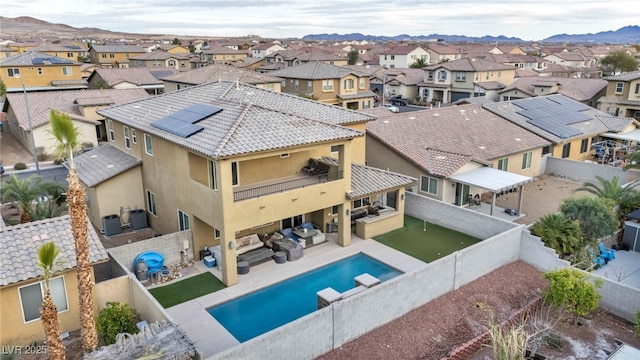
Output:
x=200 y=325
x=12 y=151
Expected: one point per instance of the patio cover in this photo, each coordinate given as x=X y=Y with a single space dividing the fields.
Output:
x=495 y=181
x=630 y=136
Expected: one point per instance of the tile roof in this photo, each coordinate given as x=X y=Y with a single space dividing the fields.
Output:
x=223 y=72
x=33 y=58
x=400 y=50
x=591 y=126
x=367 y=180
x=440 y=140
x=117 y=49
x=628 y=76
x=67 y=101
x=252 y=120
x=316 y=70
x=20 y=245
x=160 y=55
x=469 y=64
x=579 y=89
x=103 y=163
x=136 y=76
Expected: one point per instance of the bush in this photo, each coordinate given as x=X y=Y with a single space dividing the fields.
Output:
x=638 y=322
x=115 y=319
x=20 y=166
x=86 y=145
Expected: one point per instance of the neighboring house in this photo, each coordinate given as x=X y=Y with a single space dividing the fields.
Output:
x=571 y=126
x=114 y=56
x=441 y=53
x=128 y=78
x=6 y=51
x=22 y=47
x=586 y=91
x=250 y=63
x=622 y=95
x=286 y=58
x=21 y=280
x=221 y=55
x=37 y=71
x=81 y=105
x=69 y=52
x=403 y=56
x=174 y=49
x=438 y=145
x=87 y=69
x=520 y=61
x=219 y=72
x=585 y=65
x=264 y=49
x=559 y=71
x=329 y=84
x=161 y=59
x=454 y=80
x=225 y=160
x=403 y=82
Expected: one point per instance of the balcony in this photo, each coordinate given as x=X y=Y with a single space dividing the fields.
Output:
x=281 y=185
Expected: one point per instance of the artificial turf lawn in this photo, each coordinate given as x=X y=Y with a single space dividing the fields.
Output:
x=187 y=289
x=429 y=245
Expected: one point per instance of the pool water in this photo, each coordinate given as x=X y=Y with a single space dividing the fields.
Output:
x=264 y=310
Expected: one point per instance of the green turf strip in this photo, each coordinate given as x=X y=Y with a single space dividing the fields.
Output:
x=426 y=245
x=187 y=289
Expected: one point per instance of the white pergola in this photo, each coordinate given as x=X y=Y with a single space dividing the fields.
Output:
x=629 y=136
x=495 y=181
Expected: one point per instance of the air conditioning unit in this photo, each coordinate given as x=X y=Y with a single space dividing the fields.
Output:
x=137 y=219
x=111 y=225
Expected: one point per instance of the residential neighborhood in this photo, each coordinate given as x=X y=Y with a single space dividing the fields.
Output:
x=250 y=166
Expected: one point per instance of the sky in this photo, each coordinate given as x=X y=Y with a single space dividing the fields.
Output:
x=525 y=19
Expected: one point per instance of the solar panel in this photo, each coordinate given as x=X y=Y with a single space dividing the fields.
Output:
x=182 y=122
x=49 y=60
x=569 y=104
x=560 y=130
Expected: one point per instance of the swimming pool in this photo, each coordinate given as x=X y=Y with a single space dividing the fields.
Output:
x=266 y=309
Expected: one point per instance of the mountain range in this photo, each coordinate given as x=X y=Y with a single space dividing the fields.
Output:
x=27 y=26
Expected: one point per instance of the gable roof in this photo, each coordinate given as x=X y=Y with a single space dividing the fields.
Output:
x=68 y=101
x=102 y=163
x=117 y=49
x=161 y=55
x=367 y=180
x=556 y=118
x=628 y=76
x=580 y=89
x=400 y=50
x=252 y=119
x=470 y=64
x=34 y=58
x=20 y=245
x=216 y=72
x=440 y=141
x=316 y=71
x=136 y=76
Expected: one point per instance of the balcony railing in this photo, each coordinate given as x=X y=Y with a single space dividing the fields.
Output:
x=282 y=186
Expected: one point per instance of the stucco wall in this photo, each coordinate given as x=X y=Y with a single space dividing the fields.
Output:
x=168 y=245
x=585 y=171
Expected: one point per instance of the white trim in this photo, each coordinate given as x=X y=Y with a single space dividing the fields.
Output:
x=41 y=283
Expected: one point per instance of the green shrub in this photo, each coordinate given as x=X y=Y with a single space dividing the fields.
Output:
x=115 y=319
x=638 y=322
x=20 y=166
x=86 y=145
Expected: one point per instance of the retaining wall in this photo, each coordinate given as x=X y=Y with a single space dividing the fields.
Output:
x=585 y=171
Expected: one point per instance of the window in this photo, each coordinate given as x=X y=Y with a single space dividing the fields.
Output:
x=291 y=82
x=148 y=144
x=503 y=164
x=213 y=184
x=327 y=85
x=429 y=185
x=619 y=87
x=309 y=86
x=216 y=233
x=134 y=136
x=66 y=71
x=584 y=145
x=335 y=148
x=348 y=84
x=31 y=297
x=461 y=76
x=69 y=55
x=112 y=134
x=637 y=88
x=13 y=72
x=429 y=75
x=366 y=104
x=234 y=173
x=361 y=202
x=334 y=210
x=393 y=57
x=526 y=160
x=127 y=137
x=183 y=221
x=283 y=83
x=546 y=150
x=566 y=149
x=361 y=83
x=297 y=84
x=104 y=56
x=442 y=75
x=112 y=56
x=151 y=203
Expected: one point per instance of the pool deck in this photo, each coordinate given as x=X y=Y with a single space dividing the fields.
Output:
x=625 y=269
x=212 y=338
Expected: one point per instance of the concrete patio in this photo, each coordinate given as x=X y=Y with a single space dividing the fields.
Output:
x=625 y=269
x=212 y=338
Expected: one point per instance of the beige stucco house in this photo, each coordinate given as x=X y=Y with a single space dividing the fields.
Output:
x=622 y=96
x=21 y=281
x=35 y=71
x=114 y=56
x=227 y=159
x=217 y=72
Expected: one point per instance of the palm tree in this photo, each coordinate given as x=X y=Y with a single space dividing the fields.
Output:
x=26 y=192
x=67 y=137
x=47 y=261
x=611 y=189
x=559 y=233
x=418 y=64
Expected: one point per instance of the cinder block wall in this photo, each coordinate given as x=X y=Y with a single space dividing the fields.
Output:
x=168 y=245
x=584 y=171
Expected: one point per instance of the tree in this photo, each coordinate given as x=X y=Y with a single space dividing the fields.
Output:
x=3 y=88
x=595 y=215
x=619 y=61
x=175 y=41
x=352 y=57
x=611 y=190
x=571 y=289
x=559 y=233
x=67 y=137
x=418 y=64
x=47 y=261
x=26 y=192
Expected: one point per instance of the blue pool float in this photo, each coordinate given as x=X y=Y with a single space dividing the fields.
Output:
x=153 y=259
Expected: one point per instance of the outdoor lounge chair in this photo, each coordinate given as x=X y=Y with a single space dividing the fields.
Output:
x=311 y=166
x=288 y=233
x=607 y=253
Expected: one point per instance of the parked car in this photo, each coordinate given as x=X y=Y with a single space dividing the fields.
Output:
x=392 y=108
x=398 y=101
